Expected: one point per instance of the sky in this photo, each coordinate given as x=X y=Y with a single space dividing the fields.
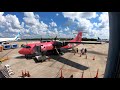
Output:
x=51 y=24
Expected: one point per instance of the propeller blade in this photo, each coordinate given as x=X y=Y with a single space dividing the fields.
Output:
x=57 y=51
x=63 y=42
x=55 y=38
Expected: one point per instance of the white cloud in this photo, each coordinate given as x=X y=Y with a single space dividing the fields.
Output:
x=13 y=20
x=71 y=15
x=9 y=25
x=78 y=15
x=102 y=33
x=104 y=20
x=57 y=14
x=22 y=24
x=95 y=24
x=53 y=24
x=30 y=18
x=54 y=32
x=102 y=30
x=43 y=26
x=1 y=13
x=0 y=35
x=2 y=18
x=66 y=29
x=69 y=34
x=84 y=24
x=82 y=19
x=33 y=24
x=104 y=17
x=29 y=14
x=60 y=31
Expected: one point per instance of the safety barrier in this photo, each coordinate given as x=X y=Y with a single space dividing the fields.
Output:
x=1 y=48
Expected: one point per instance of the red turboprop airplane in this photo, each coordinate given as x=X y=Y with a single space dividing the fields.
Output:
x=53 y=45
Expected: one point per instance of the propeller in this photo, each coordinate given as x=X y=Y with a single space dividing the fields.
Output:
x=57 y=51
x=57 y=45
x=63 y=43
x=54 y=39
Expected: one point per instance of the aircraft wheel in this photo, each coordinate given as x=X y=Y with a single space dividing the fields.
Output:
x=26 y=56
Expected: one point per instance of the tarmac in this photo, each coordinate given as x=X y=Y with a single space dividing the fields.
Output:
x=69 y=63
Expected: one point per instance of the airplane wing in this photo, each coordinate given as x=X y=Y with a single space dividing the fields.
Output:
x=91 y=43
x=85 y=42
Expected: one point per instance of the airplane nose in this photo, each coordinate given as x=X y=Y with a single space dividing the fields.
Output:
x=24 y=51
x=20 y=51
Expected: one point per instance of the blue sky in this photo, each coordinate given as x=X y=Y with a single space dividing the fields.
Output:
x=62 y=24
x=46 y=17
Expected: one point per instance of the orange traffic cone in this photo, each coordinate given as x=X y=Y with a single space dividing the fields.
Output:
x=86 y=57
x=74 y=53
x=96 y=74
x=80 y=54
x=71 y=76
x=94 y=58
x=7 y=57
x=82 y=74
x=28 y=74
x=49 y=58
x=61 y=76
x=23 y=75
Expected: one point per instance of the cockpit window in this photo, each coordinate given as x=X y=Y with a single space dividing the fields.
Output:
x=28 y=47
x=25 y=46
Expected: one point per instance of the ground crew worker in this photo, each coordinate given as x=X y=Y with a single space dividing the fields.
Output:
x=74 y=50
x=85 y=50
x=77 y=50
x=82 y=51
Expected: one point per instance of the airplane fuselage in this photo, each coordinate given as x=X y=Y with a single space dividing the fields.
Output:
x=10 y=39
x=45 y=46
x=7 y=39
x=52 y=45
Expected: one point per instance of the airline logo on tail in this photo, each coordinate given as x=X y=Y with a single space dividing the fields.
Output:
x=78 y=37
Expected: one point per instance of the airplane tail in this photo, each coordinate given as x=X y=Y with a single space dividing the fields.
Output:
x=78 y=38
x=16 y=37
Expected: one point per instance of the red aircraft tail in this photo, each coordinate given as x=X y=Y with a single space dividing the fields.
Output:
x=78 y=38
